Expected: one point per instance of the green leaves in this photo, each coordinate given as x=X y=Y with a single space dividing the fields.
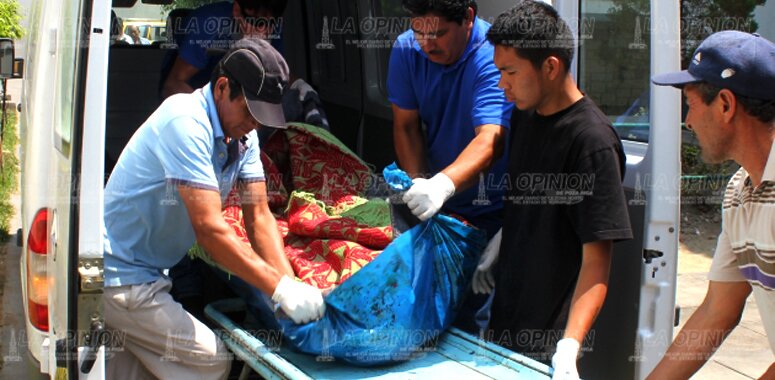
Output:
x=10 y=20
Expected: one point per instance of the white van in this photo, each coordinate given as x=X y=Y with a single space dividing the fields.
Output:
x=83 y=98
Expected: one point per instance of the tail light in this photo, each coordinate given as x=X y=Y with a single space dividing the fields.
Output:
x=37 y=272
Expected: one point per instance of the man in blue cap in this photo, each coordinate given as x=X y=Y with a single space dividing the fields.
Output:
x=730 y=91
x=167 y=190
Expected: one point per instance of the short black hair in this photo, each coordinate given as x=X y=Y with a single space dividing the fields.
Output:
x=275 y=7
x=452 y=10
x=235 y=89
x=763 y=110
x=536 y=31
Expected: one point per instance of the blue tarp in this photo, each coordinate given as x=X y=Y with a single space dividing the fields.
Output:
x=402 y=300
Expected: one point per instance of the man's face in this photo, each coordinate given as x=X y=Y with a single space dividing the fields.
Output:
x=443 y=41
x=134 y=32
x=521 y=82
x=254 y=22
x=236 y=120
x=704 y=120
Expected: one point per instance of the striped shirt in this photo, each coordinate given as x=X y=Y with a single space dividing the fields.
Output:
x=746 y=246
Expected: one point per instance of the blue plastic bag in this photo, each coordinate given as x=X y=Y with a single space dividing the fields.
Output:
x=402 y=300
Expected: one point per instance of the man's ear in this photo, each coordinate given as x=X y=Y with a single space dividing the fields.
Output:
x=236 y=11
x=551 y=68
x=469 y=20
x=727 y=105
x=221 y=88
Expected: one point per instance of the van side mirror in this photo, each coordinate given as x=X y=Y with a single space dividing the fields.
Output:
x=18 y=68
x=6 y=58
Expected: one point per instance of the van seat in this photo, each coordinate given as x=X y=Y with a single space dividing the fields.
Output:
x=133 y=79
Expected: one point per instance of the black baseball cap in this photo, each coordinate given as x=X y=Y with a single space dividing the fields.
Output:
x=263 y=74
x=742 y=62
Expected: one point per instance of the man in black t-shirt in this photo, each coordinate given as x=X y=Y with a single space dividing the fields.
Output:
x=565 y=203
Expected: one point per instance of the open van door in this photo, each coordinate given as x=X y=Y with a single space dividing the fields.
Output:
x=621 y=45
x=62 y=137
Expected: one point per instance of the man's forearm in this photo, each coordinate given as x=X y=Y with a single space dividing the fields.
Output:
x=410 y=150
x=704 y=332
x=268 y=243
x=225 y=248
x=694 y=345
x=591 y=289
x=478 y=156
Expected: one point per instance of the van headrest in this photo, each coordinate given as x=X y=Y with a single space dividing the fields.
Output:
x=124 y=3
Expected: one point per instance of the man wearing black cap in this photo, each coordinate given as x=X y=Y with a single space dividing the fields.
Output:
x=166 y=191
x=730 y=91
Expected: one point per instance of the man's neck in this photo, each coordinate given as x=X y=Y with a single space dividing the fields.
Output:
x=468 y=40
x=563 y=96
x=753 y=151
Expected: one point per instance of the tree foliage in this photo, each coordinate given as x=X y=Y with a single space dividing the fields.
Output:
x=10 y=20
x=701 y=18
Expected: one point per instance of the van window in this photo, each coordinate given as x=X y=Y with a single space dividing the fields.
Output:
x=68 y=40
x=149 y=19
x=392 y=10
x=614 y=40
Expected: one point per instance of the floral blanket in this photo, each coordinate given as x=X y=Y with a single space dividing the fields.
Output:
x=316 y=189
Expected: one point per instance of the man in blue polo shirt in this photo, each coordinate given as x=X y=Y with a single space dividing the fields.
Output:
x=215 y=27
x=441 y=74
x=166 y=191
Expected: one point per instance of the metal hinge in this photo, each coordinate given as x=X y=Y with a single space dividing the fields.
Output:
x=91 y=273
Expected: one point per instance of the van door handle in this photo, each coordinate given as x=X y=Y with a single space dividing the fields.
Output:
x=95 y=341
x=52 y=41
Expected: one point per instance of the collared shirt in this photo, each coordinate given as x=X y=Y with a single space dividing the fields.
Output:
x=147 y=228
x=452 y=101
x=746 y=245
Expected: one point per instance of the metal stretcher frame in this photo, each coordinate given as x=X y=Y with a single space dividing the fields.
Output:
x=457 y=354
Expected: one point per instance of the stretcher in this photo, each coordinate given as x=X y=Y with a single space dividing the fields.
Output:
x=456 y=355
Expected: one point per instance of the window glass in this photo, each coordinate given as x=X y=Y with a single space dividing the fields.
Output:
x=392 y=10
x=614 y=61
x=68 y=39
x=149 y=19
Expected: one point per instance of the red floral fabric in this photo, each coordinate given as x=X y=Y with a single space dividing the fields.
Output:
x=323 y=247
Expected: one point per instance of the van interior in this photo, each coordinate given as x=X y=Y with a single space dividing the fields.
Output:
x=351 y=84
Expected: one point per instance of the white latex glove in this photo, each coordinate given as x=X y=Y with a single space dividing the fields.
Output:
x=483 y=281
x=303 y=303
x=426 y=196
x=564 y=360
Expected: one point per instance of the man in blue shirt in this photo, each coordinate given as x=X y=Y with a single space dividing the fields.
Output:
x=441 y=74
x=166 y=192
x=216 y=26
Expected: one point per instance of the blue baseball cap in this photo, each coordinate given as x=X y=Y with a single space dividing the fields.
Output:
x=742 y=62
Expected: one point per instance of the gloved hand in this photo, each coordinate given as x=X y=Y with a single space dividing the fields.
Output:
x=426 y=196
x=564 y=360
x=483 y=281
x=300 y=301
